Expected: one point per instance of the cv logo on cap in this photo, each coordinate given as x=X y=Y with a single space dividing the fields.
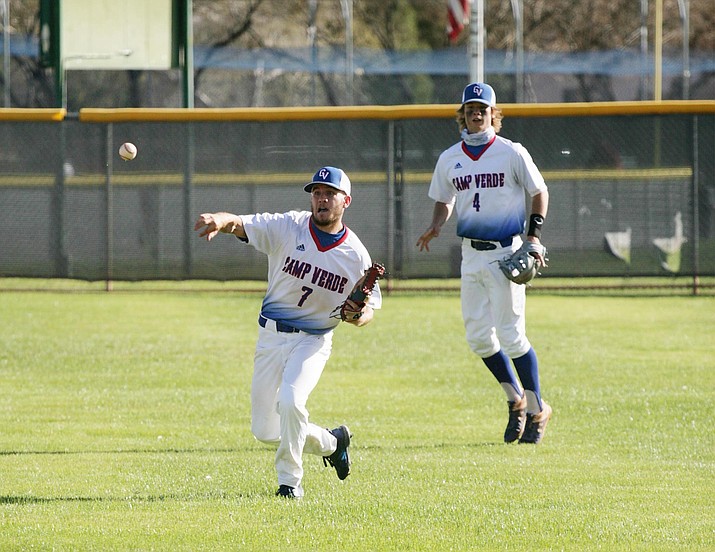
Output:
x=330 y=176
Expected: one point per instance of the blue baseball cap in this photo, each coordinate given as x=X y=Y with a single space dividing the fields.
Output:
x=330 y=176
x=479 y=92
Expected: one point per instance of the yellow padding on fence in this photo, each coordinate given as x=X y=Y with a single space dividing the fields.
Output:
x=32 y=115
x=432 y=111
x=258 y=114
x=418 y=111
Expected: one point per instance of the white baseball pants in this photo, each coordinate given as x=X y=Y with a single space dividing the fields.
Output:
x=493 y=307
x=287 y=367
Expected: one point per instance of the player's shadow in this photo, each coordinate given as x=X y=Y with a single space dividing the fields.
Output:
x=144 y=499
x=28 y=499
x=435 y=446
x=48 y=500
x=127 y=451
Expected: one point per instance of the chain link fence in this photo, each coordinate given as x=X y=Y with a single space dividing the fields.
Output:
x=632 y=192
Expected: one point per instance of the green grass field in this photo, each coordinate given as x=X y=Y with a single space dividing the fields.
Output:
x=124 y=425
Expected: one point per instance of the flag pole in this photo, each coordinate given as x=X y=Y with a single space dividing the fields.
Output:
x=658 y=54
x=476 y=41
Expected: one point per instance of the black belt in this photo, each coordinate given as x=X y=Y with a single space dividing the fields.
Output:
x=280 y=326
x=482 y=245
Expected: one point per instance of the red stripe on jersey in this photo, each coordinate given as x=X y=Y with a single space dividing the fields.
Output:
x=316 y=240
x=475 y=157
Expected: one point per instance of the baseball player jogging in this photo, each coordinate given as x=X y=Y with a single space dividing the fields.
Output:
x=485 y=178
x=315 y=262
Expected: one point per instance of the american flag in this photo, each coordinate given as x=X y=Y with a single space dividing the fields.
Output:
x=458 y=17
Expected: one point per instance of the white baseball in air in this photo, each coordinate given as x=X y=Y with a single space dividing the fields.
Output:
x=127 y=151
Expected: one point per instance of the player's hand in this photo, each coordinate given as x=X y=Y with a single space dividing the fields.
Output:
x=539 y=257
x=356 y=314
x=211 y=224
x=352 y=310
x=431 y=233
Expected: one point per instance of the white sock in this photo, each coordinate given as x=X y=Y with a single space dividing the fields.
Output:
x=512 y=394
x=533 y=404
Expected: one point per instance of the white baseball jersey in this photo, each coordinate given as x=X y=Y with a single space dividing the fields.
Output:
x=306 y=281
x=487 y=190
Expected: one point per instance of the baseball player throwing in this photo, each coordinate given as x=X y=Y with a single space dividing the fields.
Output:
x=314 y=261
x=485 y=178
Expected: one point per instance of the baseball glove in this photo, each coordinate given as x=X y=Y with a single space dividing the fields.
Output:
x=521 y=267
x=359 y=294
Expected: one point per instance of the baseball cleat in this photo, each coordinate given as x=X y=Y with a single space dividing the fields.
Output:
x=517 y=420
x=536 y=425
x=286 y=491
x=340 y=459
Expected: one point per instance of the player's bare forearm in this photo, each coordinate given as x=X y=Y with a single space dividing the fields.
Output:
x=210 y=224
x=540 y=204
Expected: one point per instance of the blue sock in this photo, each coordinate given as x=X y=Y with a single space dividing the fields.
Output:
x=500 y=367
x=527 y=367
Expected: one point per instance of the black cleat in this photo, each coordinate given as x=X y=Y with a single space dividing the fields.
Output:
x=536 y=425
x=517 y=419
x=286 y=491
x=340 y=459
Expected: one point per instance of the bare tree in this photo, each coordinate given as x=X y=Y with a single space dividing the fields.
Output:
x=223 y=24
x=384 y=25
